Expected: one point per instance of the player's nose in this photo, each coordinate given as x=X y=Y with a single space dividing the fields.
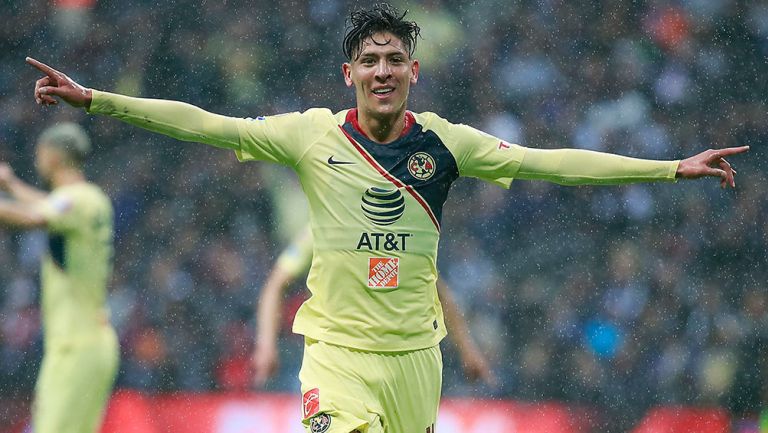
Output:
x=383 y=71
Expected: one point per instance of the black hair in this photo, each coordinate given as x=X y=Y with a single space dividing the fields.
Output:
x=382 y=17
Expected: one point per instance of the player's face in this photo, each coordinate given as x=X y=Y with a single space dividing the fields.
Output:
x=382 y=75
x=46 y=159
x=42 y=160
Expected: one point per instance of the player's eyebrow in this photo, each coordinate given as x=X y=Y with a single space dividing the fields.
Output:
x=390 y=53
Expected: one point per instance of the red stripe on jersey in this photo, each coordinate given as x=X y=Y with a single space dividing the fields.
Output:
x=351 y=117
x=397 y=182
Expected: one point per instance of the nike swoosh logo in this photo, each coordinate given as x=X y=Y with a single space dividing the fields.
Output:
x=334 y=162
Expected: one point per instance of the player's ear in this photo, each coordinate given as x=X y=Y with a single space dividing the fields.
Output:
x=414 y=71
x=346 y=70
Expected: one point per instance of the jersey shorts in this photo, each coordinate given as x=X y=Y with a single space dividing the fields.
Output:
x=74 y=384
x=346 y=389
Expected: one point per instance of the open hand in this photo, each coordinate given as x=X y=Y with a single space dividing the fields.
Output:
x=56 y=83
x=711 y=163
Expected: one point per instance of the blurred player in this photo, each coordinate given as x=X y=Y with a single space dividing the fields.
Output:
x=294 y=261
x=376 y=178
x=80 y=346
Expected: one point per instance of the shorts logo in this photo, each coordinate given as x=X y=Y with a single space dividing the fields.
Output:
x=320 y=423
x=310 y=404
x=383 y=272
x=421 y=165
x=383 y=206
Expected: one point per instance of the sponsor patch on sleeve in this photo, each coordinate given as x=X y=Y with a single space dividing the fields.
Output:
x=383 y=272
x=310 y=404
x=60 y=204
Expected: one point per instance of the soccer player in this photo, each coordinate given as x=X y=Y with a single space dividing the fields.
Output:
x=80 y=355
x=376 y=177
x=296 y=260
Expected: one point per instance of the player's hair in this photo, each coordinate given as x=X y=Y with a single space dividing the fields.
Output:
x=382 y=17
x=69 y=138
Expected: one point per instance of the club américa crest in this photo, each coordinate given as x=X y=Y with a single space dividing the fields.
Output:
x=421 y=165
x=320 y=423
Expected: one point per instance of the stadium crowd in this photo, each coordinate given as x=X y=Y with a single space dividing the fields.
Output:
x=618 y=297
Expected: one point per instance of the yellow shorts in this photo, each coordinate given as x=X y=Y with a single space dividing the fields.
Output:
x=74 y=384
x=345 y=389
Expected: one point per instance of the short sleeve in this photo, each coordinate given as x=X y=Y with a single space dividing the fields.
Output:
x=60 y=212
x=482 y=155
x=282 y=138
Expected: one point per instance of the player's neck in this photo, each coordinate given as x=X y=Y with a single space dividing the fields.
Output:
x=66 y=176
x=381 y=129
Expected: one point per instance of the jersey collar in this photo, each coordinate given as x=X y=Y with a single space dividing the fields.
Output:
x=410 y=120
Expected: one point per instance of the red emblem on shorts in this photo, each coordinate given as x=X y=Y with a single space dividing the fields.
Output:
x=503 y=145
x=310 y=404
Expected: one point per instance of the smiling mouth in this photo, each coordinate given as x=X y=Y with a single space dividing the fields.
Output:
x=386 y=91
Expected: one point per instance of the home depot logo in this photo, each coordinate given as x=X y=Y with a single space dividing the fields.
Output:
x=383 y=272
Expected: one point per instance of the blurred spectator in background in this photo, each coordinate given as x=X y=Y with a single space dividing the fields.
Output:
x=81 y=350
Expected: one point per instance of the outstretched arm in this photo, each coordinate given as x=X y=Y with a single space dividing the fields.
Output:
x=577 y=167
x=176 y=119
x=17 y=188
x=20 y=215
x=474 y=363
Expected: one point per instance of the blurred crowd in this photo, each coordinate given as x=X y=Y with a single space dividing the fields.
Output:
x=617 y=297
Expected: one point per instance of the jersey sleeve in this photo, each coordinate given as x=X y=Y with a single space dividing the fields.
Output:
x=297 y=257
x=281 y=138
x=482 y=155
x=585 y=167
x=489 y=158
x=60 y=212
